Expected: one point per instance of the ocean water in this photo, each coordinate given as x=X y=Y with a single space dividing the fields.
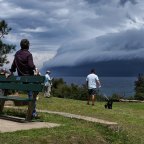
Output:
x=123 y=86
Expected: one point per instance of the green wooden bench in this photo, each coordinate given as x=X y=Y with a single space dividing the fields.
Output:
x=20 y=83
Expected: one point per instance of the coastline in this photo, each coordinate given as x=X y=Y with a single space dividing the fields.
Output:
x=123 y=86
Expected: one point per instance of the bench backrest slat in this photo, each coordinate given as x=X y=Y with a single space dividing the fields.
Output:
x=22 y=83
x=22 y=79
x=21 y=87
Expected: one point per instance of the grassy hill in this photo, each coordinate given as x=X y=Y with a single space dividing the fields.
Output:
x=129 y=116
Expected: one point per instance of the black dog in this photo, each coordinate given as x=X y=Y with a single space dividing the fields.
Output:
x=109 y=104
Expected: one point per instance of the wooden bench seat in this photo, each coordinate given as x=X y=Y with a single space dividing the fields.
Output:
x=21 y=83
x=14 y=98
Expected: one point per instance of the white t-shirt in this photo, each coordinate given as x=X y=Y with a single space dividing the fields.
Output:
x=47 y=80
x=91 y=79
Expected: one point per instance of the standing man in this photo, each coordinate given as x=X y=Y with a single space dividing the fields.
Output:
x=48 y=84
x=23 y=63
x=92 y=83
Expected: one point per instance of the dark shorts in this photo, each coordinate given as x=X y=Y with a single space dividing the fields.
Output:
x=92 y=91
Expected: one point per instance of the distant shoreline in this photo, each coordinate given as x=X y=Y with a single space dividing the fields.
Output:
x=110 y=85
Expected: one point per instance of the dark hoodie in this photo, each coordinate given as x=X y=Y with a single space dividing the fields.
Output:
x=23 y=62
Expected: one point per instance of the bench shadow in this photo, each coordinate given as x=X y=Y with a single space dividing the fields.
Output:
x=18 y=119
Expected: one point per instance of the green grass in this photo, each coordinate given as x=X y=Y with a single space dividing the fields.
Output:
x=129 y=116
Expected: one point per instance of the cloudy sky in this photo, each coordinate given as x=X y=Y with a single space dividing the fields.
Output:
x=72 y=32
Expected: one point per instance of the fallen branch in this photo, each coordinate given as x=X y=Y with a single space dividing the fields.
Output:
x=125 y=100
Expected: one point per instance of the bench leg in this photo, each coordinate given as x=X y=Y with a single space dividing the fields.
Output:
x=30 y=111
x=2 y=102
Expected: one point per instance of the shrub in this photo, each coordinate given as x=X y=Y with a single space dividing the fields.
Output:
x=62 y=90
x=116 y=97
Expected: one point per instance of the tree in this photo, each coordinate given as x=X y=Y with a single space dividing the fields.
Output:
x=4 y=48
x=139 y=88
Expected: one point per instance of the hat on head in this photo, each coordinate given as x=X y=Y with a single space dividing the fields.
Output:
x=48 y=71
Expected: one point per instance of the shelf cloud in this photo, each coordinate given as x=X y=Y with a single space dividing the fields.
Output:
x=72 y=32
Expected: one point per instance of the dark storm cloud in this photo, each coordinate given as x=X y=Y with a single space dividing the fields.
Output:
x=126 y=45
x=123 y=2
x=68 y=27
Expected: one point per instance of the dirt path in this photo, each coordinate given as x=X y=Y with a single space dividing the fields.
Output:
x=91 y=119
